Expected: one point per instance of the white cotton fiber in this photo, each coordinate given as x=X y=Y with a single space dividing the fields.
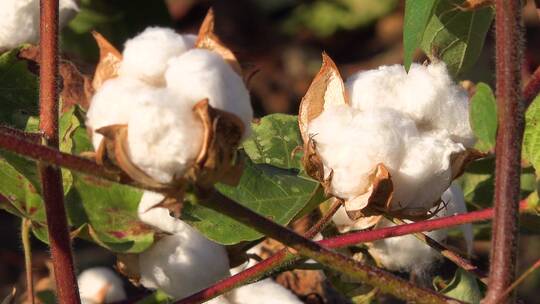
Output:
x=94 y=283
x=407 y=253
x=114 y=103
x=426 y=93
x=164 y=136
x=183 y=263
x=19 y=21
x=352 y=142
x=199 y=74
x=266 y=291
x=146 y=55
x=158 y=217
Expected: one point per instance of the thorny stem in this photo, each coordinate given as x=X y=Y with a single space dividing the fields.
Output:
x=51 y=177
x=386 y=282
x=27 y=248
x=508 y=44
x=448 y=253
x=283 y=258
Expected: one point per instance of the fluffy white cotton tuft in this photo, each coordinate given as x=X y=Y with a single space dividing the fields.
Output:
x=426 y=93
x=199 y=74
x=407 y=253
x=164 y=136
x=114 y=103
x=146 y=55
x=183 y=263
x=158 y=217
x=266 y=291
x=19 y=21
x=100 y=283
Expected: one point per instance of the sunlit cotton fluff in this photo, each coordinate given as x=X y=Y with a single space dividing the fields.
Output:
x=146 y=55
x=100 y=285
x=427 y=93
x=182 y=263
x=114 y=103
x=164 y=136
x=407 y=253
x=199 y=74
x=19 y=21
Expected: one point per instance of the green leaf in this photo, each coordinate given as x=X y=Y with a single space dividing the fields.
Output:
x=456 y=36
x=463 y=287
x=273 y=192
x=156 y=298
x=531 y=140
x=417 y=15
x=110 y=210
x=274 y=141
x=18 y=90
x=483 y=116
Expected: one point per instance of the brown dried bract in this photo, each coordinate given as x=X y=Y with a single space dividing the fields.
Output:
x=326 y=89
x=207 y=39
x=128 y=265
x=377 y=198
x=109 y=61
x=459 y=161
x=222 y=136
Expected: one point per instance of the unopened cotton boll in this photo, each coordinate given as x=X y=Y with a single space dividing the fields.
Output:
x=183 y=263
x=100 y=285
x=199 y=74
x=114 y=103
x=407 y=253
x=426 y=93
x=19 y=21
x=164 y=136
x=146 y=55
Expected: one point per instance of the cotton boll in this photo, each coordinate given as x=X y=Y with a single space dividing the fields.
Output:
x=183 y=263
x=164 y=136
x=199 y=74
x=145 y=56
x=426 y=93
x=219 y=300
x=407 y=253
x=95 y=283
x=266 y=291
x=351 y=143
x=158 y=217
x=19 y=21
x=114 y=103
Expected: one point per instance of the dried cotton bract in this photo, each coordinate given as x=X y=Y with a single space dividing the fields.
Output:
x=388 y=141
x=171 y=108
x=100 y=285
x=19 y=21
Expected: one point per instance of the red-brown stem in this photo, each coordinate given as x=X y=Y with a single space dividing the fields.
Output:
x=522 y=277
x=51 y=177
x=532 y=88
x=33 y=137
x=282 y=258
x=508 y=42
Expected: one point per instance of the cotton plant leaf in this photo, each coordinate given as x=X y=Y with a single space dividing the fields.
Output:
x=483 y=117
x=417 y=15
x=531 y=140
x=456 y=36
x=463 y=287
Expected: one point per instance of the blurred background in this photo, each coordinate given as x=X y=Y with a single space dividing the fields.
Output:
x=280 y=43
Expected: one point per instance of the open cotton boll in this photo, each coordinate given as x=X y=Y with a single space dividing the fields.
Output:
x=100 y=285
x=266 y=291
x=114 y=103
x=146 y=55
x=159 y=218
x=426 y=93
x=164 y=136
x=19 y=21
x=199 y=74
x=407 y=253
x=352 y=142
x=183 y=263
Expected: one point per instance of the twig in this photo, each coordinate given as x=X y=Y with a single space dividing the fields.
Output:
x=446 y=252
x=522 y=278
x=281 y=259
x=508 y=44
x=27 y=248
x=51 y=178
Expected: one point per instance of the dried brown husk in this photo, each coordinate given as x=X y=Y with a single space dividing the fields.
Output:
x=109 y=61
x=128 y=265
x=207 y=39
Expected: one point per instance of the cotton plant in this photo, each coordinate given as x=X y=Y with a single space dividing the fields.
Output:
x=170 y=109
x=19 y=21
x=100 y=285
x=386 y=141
